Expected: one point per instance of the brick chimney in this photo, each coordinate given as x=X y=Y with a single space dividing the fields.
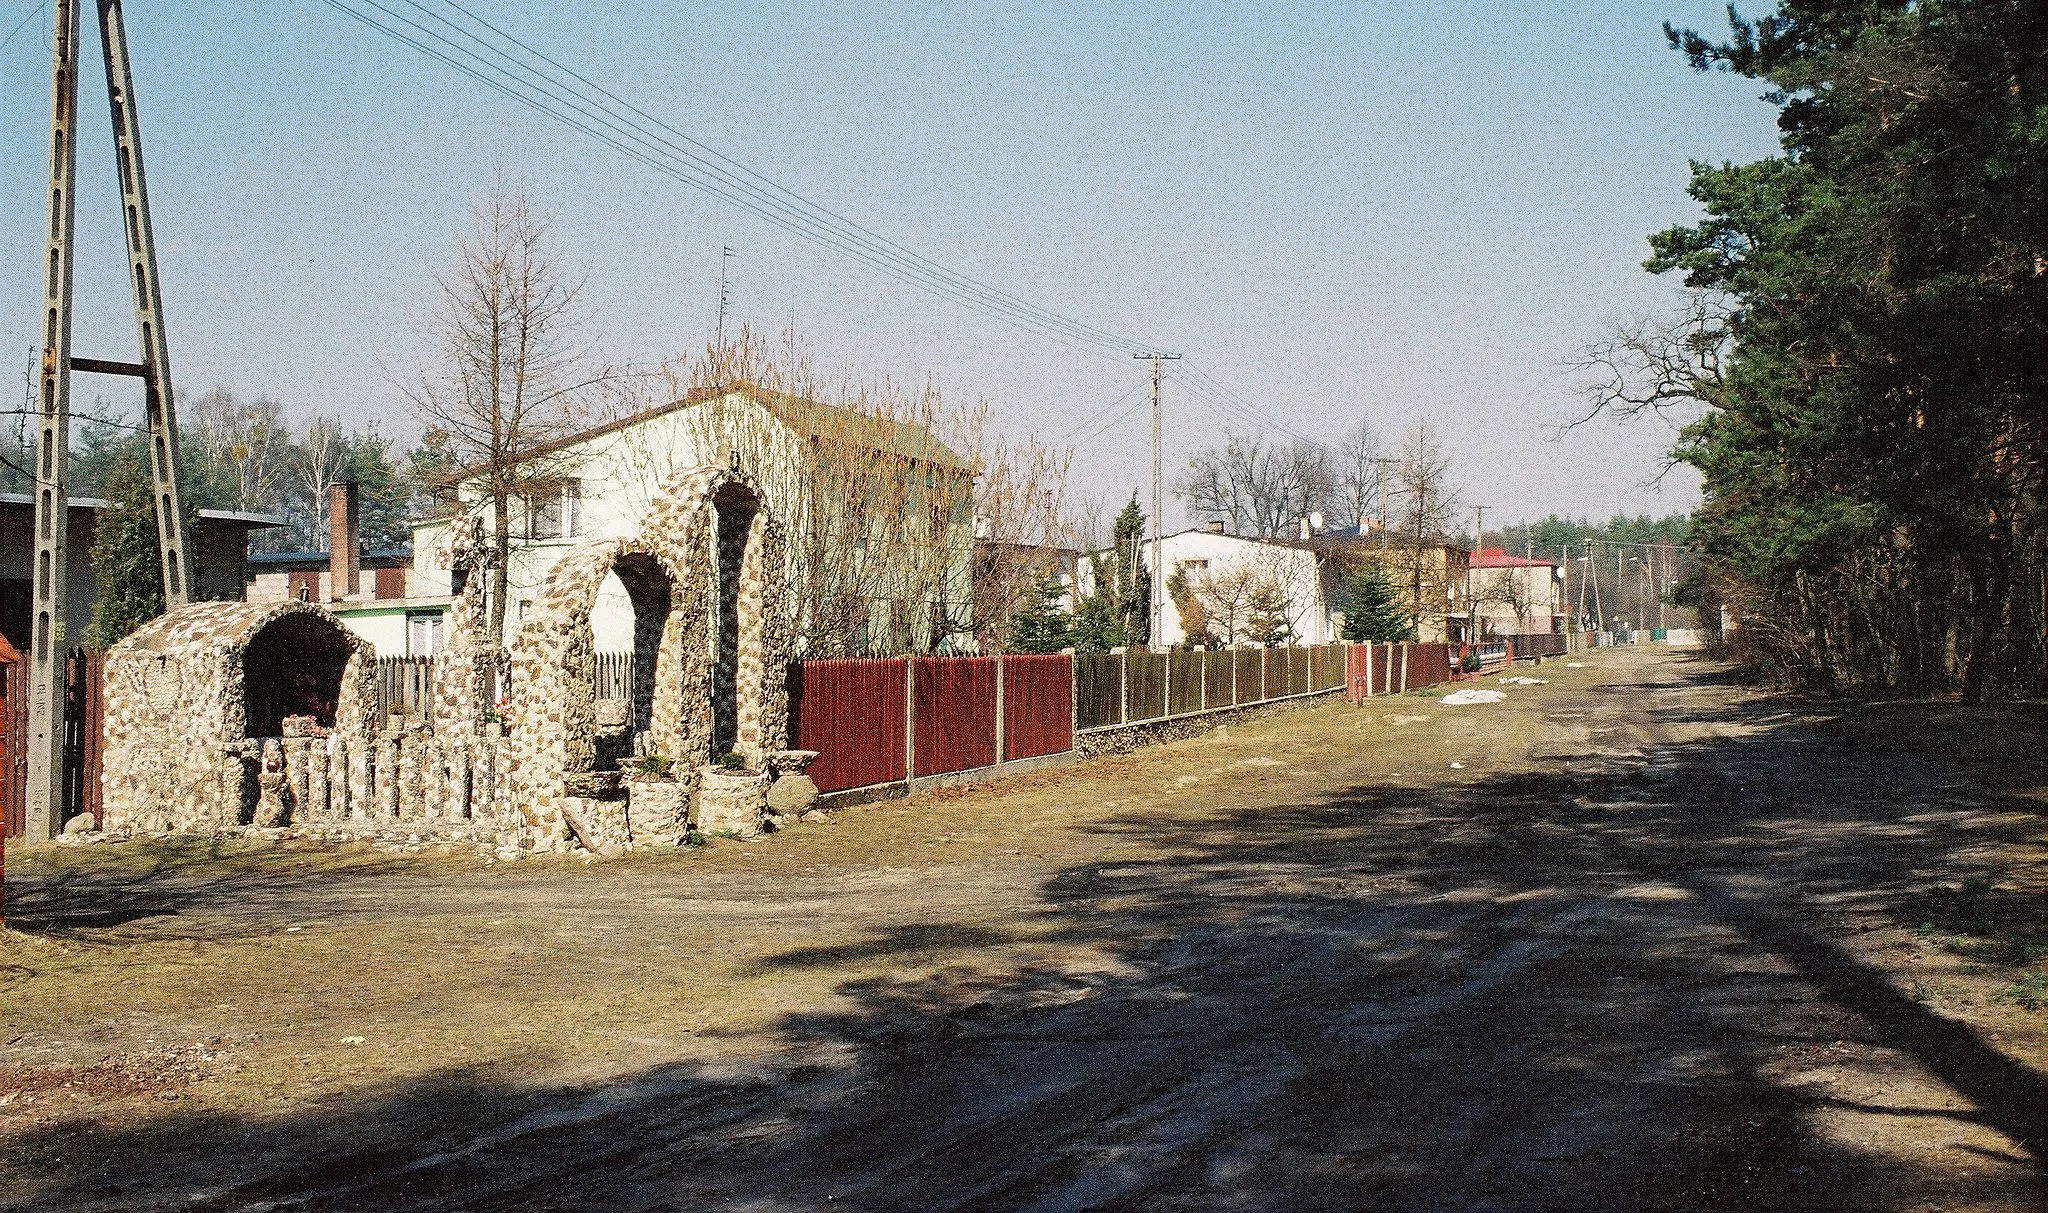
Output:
x=1215 y=526
x=344 y=540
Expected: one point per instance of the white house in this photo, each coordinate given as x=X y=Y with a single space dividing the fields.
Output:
x=883 y=505
x=1227 y=574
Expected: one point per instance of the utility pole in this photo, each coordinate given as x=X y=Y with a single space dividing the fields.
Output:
x=1478 y=541
x=1593 y=572
x=48 y=640
x=1386 y=489
x=724 y=300
x=1158 y=595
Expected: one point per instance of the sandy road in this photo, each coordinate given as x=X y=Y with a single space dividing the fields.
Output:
x=1652 y=947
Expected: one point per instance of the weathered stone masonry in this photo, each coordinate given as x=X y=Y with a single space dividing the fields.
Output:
x=229 y=715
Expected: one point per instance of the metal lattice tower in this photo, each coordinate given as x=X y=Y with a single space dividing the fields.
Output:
x=49 y=642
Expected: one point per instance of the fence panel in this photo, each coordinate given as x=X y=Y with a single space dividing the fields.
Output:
x=852 y=712
x=405 y=686
x=1542 y=644
x=614 y=675
x=1428 y=665
x=1218 y=674
x=84 y=733
x=1038 y=706
x=1329 y=668
x=1098 y=690
x=1184 y=683
x=1250 y=665
x=1147 y=672
x=956 y=714
x=15 y=705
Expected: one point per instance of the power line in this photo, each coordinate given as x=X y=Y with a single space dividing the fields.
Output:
x=588 y=108
x=22 y=24
x=486 y=53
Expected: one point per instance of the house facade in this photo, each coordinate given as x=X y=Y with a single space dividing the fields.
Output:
x=877 y=516
x=1237 y=587
x=1515 y=595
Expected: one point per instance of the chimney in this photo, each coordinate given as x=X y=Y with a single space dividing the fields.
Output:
x=1364 y=525
x=344 y=540
x=1305 y=533
x=1215 y=526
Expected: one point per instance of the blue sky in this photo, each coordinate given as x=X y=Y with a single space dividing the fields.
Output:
x=1403 y=212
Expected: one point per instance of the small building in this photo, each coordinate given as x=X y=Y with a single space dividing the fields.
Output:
x=375 y=595
x=1515 y=595
x=1233 y=580
x=220 y=554
x=1431 y=581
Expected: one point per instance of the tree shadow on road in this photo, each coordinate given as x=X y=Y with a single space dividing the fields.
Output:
x=1591 y=986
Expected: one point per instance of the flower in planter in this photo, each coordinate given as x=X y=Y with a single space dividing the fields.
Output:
x=657 y=765
x=733 y=762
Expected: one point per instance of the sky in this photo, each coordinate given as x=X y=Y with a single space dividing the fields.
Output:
x=1390 y=212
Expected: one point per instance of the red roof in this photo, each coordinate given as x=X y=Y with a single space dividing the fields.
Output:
x=1498 y=558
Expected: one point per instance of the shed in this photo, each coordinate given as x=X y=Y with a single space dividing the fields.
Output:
x=192 y=696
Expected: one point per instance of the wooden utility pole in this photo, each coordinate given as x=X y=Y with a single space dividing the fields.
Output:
x=49 y=640
x=1158 y=595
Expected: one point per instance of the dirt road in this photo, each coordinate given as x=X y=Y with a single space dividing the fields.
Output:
x=1657 y=942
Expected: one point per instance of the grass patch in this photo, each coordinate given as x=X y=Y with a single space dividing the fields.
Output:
x=2029 y=992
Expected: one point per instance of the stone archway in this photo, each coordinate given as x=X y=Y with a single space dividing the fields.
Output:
x=560 y=750
x=705 y=577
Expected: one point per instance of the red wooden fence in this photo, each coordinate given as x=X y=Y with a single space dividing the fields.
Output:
x=853 y=713
x=85 y=697
x=1038 y=706
x=1378 y=669
x=956 y=713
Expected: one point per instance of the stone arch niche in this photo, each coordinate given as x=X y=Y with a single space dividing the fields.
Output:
x=705 y=579
x=188 y=691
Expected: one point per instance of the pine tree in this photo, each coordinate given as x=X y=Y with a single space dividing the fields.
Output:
x=1370 y=610
x=1131 y=587
x=126 y=573
x=1043 y=626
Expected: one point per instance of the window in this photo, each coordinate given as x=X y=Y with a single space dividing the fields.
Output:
x=422 y=633
x=544 y=516
x=572 y=508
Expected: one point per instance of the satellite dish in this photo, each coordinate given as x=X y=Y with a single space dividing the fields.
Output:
x=1315 y=520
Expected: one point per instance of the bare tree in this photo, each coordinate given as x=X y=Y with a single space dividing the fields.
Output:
x=317 y=463
x=1256 y=488
x=248 y=436
x=1427 y=515
x=505 y=319
x=1658 y=364
x=1355 y=466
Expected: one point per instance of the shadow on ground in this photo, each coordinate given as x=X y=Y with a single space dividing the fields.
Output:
x=1583 y=986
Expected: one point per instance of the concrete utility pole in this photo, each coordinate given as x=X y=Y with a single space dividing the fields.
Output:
x=1158 y=595
x=1386 y=487
x=724 y=297
x=49 y=641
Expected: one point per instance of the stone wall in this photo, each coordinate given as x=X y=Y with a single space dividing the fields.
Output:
x=177 y=751
x=560 y=781
x=705 y=579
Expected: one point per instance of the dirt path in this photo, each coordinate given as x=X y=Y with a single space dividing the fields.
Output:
x=1657 y=943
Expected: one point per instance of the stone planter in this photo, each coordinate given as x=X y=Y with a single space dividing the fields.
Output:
x=793 y=793
x=731 y=800
x=657 y=810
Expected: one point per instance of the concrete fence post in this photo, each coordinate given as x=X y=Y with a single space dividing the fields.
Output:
x=909 y=719
x=1123 y=687
x=1001 y=739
